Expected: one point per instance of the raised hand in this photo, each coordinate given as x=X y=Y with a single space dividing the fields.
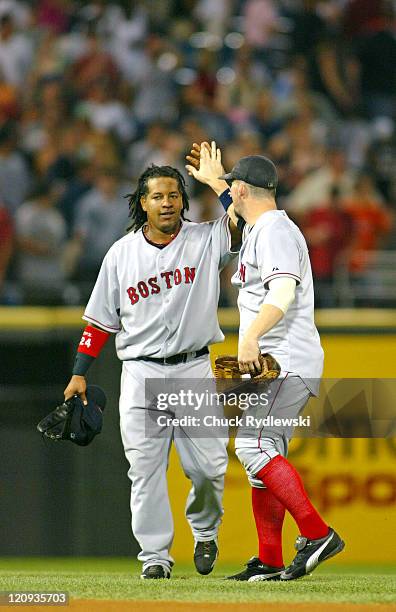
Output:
x=195 y=155
x=208 y=167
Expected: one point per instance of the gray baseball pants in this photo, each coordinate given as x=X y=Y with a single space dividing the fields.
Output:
x=203 y=459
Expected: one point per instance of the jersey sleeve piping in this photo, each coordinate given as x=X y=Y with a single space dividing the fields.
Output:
x=271 y=277
x=108 y=328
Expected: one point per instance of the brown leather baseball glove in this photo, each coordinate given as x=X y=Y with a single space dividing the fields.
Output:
x=226 y=366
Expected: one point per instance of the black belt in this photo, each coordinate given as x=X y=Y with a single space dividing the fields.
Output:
x=175 y=359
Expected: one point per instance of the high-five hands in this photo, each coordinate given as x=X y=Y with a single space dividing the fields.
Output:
x=205 y=165
x=195 y=156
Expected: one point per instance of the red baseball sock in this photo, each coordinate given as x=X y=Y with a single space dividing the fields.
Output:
x=269 y=514
x=280 y=477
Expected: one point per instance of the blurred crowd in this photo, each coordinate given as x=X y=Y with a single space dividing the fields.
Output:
x=93 y=92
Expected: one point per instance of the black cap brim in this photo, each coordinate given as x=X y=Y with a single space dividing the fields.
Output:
x=227 y=177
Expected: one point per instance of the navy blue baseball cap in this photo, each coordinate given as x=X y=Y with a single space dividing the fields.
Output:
x=255 y=170
x=87 y=421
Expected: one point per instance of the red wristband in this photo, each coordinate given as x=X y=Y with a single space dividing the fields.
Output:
x=92 y=341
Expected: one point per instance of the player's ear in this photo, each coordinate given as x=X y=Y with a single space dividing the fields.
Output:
x=242 y=190
x=143 y=203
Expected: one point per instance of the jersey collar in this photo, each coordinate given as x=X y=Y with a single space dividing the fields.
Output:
x=165 y=244
x=268 y=216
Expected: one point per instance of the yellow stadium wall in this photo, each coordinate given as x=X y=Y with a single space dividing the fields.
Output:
x=352 y=482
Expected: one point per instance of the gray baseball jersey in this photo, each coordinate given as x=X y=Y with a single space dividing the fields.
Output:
x=161 y=302
x=275 y=248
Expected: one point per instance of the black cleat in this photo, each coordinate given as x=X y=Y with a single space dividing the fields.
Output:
x=154 y=572
x=256 y=571
x=312 y=552
x=205 y=555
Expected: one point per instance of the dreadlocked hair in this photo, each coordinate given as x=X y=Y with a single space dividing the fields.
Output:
x=136 y=213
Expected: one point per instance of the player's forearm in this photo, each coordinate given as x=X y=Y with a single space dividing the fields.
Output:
x=91 y=344
x=218 y=186
x=226 y=202
x=268 y=316
x=281 y=294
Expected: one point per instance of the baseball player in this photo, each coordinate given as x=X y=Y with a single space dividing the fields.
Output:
x=158 y=290
x=276 y=307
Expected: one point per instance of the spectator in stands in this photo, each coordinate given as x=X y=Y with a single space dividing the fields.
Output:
x=49 y=60
x=361 y=17
x=161 y=147
x=206 y=68
x=328 y=231
x=193 y=130
x=46 y=121
x=331 y=68
x=377 y=55
x=173 y=151
x=237 y=96
x=125 y=29
x=99 y=147
x=293 y=95
x=381 y=157
x=40 y=237
x=15 y=52
x=76 y=187
x=183 y=71
x=372 y=220
x=260 y=22
x=9 y=103
x=143 y=151
x=101 y=219
x=6 y=244
x=298 y=153
x=15 y=177
x=55 y=14
x=94 y=65
x=155 y=94
x=247 y=142
x=105 y=111
x=214 y=16
x=195 y=105
x=317 y=186
x=265 y=119
x=21 y=12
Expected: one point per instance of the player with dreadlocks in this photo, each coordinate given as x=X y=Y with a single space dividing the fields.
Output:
x=136 y=212
x=158 y=290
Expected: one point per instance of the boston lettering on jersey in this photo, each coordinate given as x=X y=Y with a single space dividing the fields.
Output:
x=150 y=286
